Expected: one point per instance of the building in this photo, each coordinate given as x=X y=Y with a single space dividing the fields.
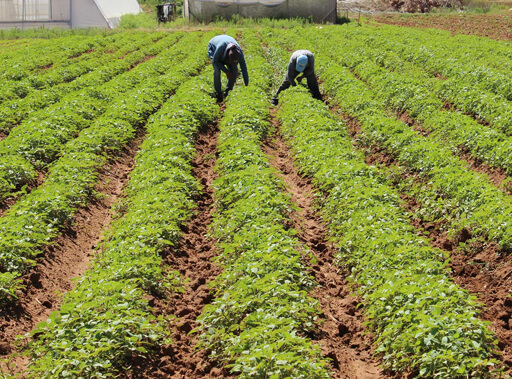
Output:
x=64 y=13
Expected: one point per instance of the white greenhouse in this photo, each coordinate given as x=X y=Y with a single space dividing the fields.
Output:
x=64 y=13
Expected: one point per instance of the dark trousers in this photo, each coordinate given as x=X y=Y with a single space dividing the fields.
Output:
x=312 y=86
x=233 y=69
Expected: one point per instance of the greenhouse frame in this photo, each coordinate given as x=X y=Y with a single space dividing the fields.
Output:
x=207 y=10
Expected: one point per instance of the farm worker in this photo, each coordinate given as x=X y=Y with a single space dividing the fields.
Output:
x=226 y=54
x=301 y=61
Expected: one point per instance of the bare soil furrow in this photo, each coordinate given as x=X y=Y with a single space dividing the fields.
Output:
x=192 y=258
x=66 y=258
x=341 y=335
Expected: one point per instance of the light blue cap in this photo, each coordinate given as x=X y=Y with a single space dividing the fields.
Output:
x=302 y=62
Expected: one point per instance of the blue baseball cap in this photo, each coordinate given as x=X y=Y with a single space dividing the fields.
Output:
x=302 y=62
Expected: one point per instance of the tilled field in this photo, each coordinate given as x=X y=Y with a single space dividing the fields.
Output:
x=493 y=25
x=366 y=236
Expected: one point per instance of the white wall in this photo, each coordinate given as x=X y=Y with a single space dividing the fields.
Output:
x=85 y=13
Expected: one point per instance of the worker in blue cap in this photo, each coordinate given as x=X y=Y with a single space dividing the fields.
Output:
x=226 y=54
x=301 y=61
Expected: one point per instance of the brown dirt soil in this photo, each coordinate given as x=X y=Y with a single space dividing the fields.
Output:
x=494 y=25
x=192 y=258
x=486 y=272
x=67 y=258
x=496 y=176
x=480 y=268
x=341 y=333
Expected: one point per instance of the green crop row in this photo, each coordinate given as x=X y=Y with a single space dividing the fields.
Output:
x=407 y=90
x=13 y=112
x=444 y=186
x=37 y=218
x=9 y=46
x=473 y=62
x=38 y=142
x=472 y=87
x=18 y=64
x=465 y=92
x=106 y=321
x=423 y=322
x=115 y=47
x=258 y=320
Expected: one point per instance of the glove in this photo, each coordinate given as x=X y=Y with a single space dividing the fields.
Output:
x=230 y=75
x=299 y=78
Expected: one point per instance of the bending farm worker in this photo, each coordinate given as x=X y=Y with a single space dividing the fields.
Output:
x=301 y=61
x=226 y=54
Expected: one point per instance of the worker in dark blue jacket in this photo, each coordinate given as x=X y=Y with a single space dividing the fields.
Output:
x=301 y=61
x=226 y=54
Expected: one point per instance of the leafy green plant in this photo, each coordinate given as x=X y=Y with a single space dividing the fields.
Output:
x=258 y=321
x=422 y=321
x=106 y=321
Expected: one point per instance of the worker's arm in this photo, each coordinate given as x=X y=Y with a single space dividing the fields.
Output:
x=217 y=57
x=292 y=72
x=243 y=68
x=211 y=50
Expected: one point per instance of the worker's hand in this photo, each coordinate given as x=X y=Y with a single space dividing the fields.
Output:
x=230 y=75
x=299 y=78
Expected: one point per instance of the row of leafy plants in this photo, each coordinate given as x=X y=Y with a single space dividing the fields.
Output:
x=406 y=89
x=423 y=323
x=106 y=322
x=486 y=64
x=473 y=88
x=37 y=218
x=446 y=189
x=108 y=49
x=9 y=46
x=13 y=112
x=20 y=63
x=258 y=322
x=39 y=141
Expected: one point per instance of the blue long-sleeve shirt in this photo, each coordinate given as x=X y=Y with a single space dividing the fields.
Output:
x=216 y=51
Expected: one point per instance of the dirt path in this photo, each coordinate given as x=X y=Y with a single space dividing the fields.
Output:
x=67 y=258
x=480 y=268
x=341 y=335
x=192 y=257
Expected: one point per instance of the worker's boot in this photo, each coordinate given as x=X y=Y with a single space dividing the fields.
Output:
x=274 y=101
x=220 y=97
